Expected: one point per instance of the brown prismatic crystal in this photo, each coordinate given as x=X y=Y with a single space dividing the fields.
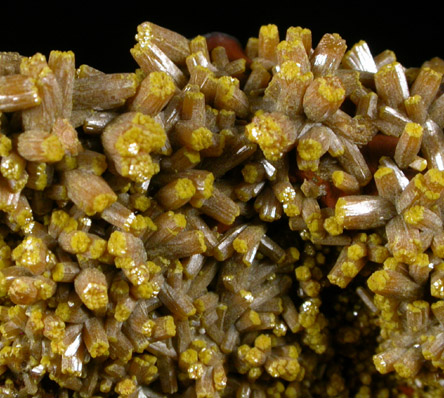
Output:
x=221 y=222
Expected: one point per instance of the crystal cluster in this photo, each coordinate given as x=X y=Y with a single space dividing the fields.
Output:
x=264 y=222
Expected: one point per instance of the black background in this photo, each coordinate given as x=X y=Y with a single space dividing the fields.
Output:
x=101 y=34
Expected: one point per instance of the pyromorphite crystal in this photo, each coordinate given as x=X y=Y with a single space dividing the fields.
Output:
x=184 y=188
x=274 y=133
x=80 y=242
x=94 y=296
x=309 y=149
x=145 y=136
x=331 y=92
x=222 y=221
x=117 y=244
x=53 y=149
